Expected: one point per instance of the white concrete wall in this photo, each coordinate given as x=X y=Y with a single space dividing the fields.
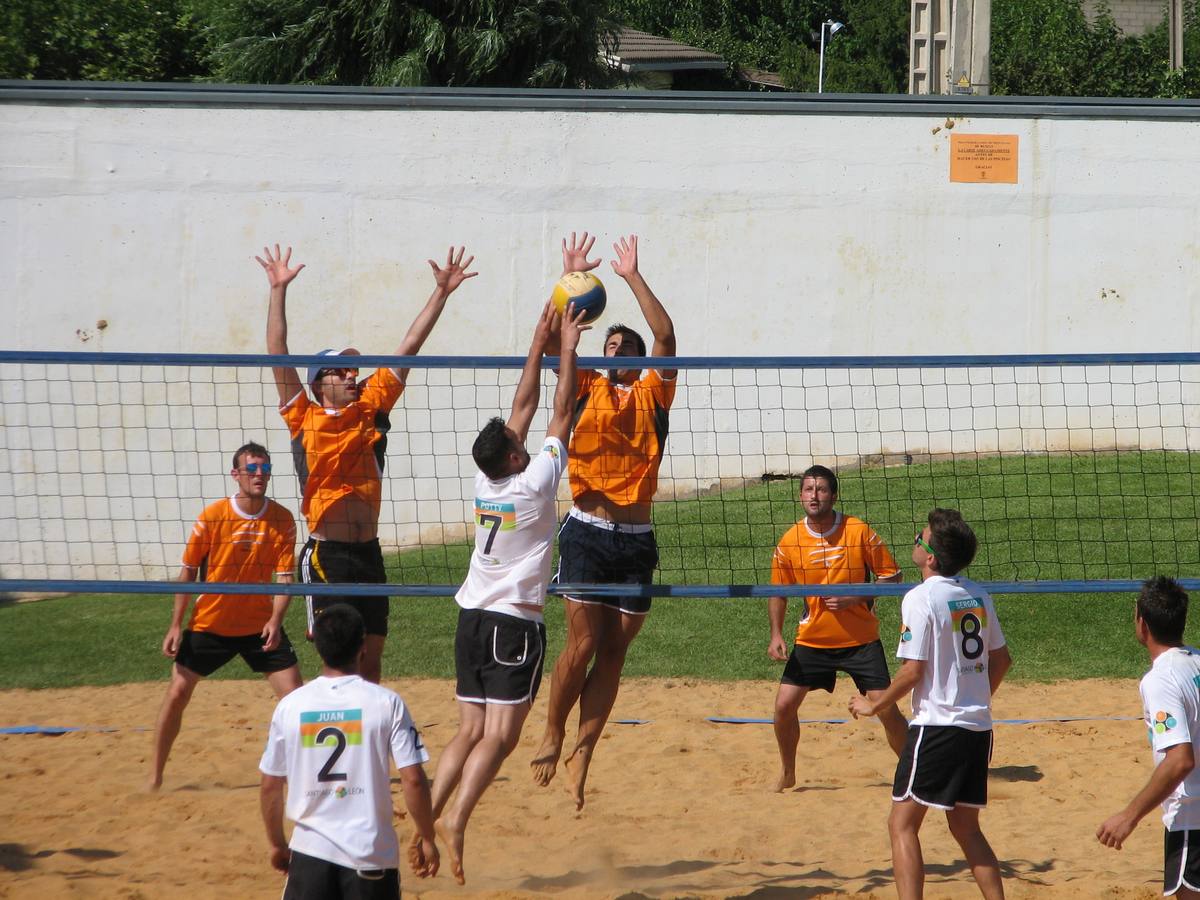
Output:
x=764 y=235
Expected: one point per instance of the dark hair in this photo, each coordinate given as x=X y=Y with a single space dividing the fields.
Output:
x=952 y=540
x=491 y=448
x=820 y=472
x=250 y=449
x=1162 y=605
x=339 y=633
x=625 y=331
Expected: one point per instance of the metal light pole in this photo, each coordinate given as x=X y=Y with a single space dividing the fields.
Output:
x=831 y=28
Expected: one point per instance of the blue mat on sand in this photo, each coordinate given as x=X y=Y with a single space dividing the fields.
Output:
x=736 y=720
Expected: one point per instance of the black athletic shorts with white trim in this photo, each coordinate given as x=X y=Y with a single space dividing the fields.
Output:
x=593 y=553
x=498 y=658
x=339 y=562
x=310 y=878
x=1181 y=861
x=203 y=652
x=817 y=667
x=944 y=766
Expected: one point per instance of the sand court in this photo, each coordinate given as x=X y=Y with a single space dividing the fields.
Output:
x=676 y=806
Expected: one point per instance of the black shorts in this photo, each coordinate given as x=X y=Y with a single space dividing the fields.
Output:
x=310 y=878
x=338 y=562
x=594 y=554
x=817 y=667
x=1181 y=861
x=944 y=766
x=498 y=658
x=203 y=652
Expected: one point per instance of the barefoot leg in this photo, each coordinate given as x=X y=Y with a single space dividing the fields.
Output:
x=452 y=841
x=787 y=732
x=570 y=672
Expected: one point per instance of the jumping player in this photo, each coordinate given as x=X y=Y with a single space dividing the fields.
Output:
x=617 y=447
x=500 y=643
x=246 y=538
x=836 y=634
x=339 y=441
x=328 y=745
x=1171 y=707
x=954 y=657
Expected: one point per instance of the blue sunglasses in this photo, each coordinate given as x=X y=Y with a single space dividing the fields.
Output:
x=255 y=468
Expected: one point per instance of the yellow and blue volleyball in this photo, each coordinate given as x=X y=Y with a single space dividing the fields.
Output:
x=584 y=290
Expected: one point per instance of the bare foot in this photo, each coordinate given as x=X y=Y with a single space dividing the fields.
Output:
x=545 y=762
x=786 y=780
x=452 y=839
x=577 y=765
x=152 y=784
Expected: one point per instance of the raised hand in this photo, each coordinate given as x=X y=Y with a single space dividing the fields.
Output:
x=548 y=323
x=575 y=254
x=626 y=263
x=278 y=266
x=572 y=328
x=455 y=271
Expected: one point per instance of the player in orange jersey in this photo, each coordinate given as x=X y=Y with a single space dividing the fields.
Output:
x=616 y=448
x=246 y=538
x=836 y=634
x=339 y=439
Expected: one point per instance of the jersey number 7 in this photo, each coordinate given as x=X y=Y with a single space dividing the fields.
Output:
x=492 y=523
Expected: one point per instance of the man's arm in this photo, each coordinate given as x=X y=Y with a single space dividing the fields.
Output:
x=525 y=400
x=837 y=602
x=170 y=644
x=422 y=852
x=661 y=326
x=776 y=614
x=270 y=800
x=1176 y=766
x=574 y=256
x=906 y=679
x=272 y=632
x=999 y=662
x=446 y=281
x=279 y=276
x=564 y=394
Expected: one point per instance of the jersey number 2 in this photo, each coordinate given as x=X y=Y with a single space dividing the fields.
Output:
x=493 y=525
x=339 y=748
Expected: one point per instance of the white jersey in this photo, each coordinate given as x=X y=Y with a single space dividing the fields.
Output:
x=331 y=739
x=1171 y=707
x=951 y=624
x=515 y=521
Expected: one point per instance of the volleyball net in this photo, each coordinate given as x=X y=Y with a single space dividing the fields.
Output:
x=1077 y=472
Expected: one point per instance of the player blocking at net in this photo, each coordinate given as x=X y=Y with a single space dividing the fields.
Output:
x=500 y=641
x=607 y=537
x=1170 y=694
x=339 y=442
x=247 y=539
x=835 y=634
x=954 y=657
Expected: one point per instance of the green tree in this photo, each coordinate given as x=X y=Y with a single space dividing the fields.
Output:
x=1050 y=48
x=517 y=43
x=781 y=36
x=116 y=40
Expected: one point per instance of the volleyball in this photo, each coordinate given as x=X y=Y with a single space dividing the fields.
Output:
x=584 y=290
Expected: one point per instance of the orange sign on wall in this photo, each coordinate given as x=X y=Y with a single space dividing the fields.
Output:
x=983 y=158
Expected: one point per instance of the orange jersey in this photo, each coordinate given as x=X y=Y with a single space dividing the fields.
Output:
x=228 y=545
x=619 y=438
x=846 y=554
x=341 y=451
